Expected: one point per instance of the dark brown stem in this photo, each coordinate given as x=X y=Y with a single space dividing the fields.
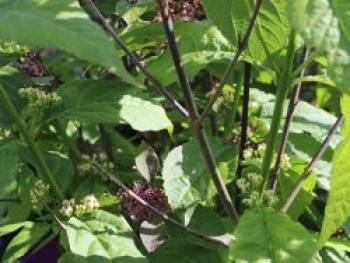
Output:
x=100 y=18
x=10 y=200
x=245 y=112
x=293 y=102
x=194 y=115
x=111 y=178
x=311 y=165
x=241 y=47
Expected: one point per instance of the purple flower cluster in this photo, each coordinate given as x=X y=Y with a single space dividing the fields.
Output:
x=152 y=195
x=184 y=10
x=32 y=65
x=33 y=69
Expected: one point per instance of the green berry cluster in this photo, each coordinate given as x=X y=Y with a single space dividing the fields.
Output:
x=250 y=186
x=87 y=205
x=39 y=99
x=39 y=193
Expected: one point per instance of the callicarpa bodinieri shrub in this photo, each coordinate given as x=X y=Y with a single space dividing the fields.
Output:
x=209 y=131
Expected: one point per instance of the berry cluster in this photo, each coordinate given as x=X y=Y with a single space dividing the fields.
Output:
x=152 y=195
x=184 y=10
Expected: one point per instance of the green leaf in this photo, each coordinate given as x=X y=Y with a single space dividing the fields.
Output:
x=304 y=146
x=11 y=79
x=185 y=174
x=338 y=204
x=9 y=164
x=19 y=211
x=131 y=12
x=61 y=168
x=30 y=235
x=340 y=57
x=102 y=237
x=266 y=236
x=9 y=228
x=341 y=8
x=315 y=21
x=101 y=101
x=232 y=18
x=206 y=221
x=287 y=182
x=174 y=252
x=307 y=118
x=200 y=44
x=59 y=24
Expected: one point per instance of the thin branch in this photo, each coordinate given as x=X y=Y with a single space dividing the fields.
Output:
x=194 y=115
x=312 y=165
x=92 y=7
x=60 y=223
x=241 y=47
x=111 y=178
x=293 y=102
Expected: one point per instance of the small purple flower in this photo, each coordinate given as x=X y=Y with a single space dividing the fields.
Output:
x=48 y=52
x=33 y=69
x=152 y=195
x=33 y=55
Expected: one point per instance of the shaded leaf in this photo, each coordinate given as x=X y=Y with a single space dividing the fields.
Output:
x=152 y=234
x=174 y=252
x=9 y=163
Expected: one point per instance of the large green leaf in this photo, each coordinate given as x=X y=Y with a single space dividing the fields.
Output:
x=59 y=24
x=338 y=205
x=107 y=102
x=30 y=235
x=103 y=238
x=315 y=21
x=185 y=174
x=266 y=236
x=232 y=18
